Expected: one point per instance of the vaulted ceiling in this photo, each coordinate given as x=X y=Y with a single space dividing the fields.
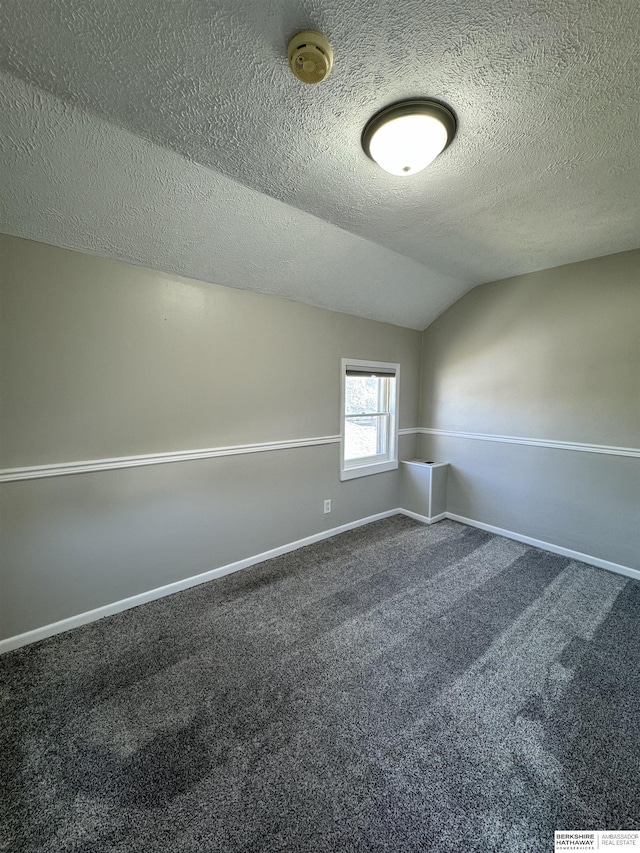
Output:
x=172 y=134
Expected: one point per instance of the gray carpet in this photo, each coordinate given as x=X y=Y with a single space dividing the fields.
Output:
x=395 y=688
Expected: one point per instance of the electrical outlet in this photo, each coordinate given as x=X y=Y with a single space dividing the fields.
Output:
x=327 y=506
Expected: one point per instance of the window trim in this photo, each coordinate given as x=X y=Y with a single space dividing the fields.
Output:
x=368 y=465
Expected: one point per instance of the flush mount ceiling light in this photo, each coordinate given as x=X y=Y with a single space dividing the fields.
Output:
x=405 y=137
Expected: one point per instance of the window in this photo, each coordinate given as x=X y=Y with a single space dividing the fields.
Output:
x=369 y=435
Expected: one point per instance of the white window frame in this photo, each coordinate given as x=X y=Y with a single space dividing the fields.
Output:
x=351 y=469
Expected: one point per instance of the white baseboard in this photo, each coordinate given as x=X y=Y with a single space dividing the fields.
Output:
x=548 y=546
x=425 y=519
x=151 y=595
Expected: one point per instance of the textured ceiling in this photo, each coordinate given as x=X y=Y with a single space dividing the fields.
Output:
x=171 y=134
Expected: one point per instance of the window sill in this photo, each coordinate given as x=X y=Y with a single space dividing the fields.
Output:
x=366 y=470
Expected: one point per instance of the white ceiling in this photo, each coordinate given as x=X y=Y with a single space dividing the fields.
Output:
x=172 y=134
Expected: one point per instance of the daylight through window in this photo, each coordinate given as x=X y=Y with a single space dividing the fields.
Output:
x=369 y=441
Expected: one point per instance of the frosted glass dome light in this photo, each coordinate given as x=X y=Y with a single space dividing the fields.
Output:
x=405 y=137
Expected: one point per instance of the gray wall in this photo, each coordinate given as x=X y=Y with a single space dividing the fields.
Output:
x=551 y=355
x=103 y=359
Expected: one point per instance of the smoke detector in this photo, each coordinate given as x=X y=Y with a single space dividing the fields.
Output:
x=310 y=56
